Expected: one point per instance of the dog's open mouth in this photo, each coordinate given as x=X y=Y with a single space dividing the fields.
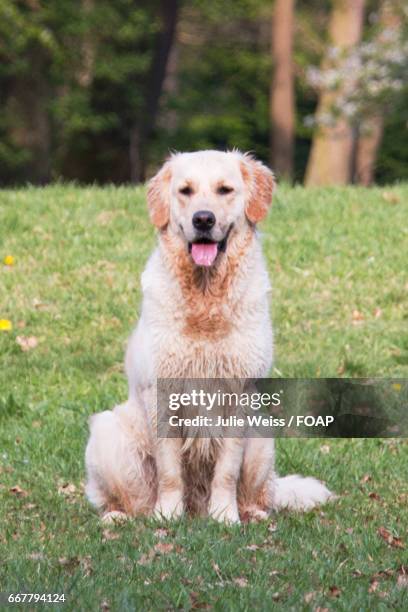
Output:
x=204 y=251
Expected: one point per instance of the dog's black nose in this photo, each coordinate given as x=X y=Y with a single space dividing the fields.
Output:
x=203 y=220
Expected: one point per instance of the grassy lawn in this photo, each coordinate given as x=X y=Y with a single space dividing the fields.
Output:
x=338 y=259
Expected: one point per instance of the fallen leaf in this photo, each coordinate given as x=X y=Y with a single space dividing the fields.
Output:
x=68 y=489
x=308 y=597
x=402 y=581
x=69 y=563
x=109 y=535
x=375 y=496
x=17 y=490
x=241 y=581
x=391 y=198
x=252 y=547
x=36 y=556
x=365 y=478
x=272 y=527
x=389 y=538
x=145 y=559
x=27 y=343
x=161 y=533
x=377 y=313
x=105 y=607
x=325 y=449
x=162 y=548
x=357 y=317
x=373 y=586
x=334 y=591
x=86 y=564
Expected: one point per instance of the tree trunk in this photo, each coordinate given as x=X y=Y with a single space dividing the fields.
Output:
x=282 y=104
x=371 y=130
x=29 y=99
x=143 y=128
x=332 y=148
x=369 y=140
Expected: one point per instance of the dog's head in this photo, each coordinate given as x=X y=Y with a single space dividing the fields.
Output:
x=203 y=197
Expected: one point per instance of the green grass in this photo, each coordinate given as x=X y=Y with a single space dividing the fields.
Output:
x=75 y=287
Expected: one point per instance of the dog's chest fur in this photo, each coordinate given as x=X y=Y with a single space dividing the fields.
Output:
x=216 y=325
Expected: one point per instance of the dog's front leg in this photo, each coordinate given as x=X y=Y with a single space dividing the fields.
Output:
x=169 y=502
x=223 y=500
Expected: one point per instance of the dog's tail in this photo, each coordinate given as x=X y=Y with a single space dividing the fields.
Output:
x=299 y=493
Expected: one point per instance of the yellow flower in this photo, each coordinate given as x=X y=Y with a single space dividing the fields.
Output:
x=5 y=325
x=9 y=260
x=396 y=386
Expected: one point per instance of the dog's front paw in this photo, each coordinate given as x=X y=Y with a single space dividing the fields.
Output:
x=224 y=512
x=169 y=506
x=253 y=514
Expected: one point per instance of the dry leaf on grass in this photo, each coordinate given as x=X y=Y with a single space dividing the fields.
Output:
x=241 y=581
x=357 y=317
x=18 y=491
x=402 y=581
x=36 y=556
x=27 y=343
x=68 y=489
x=334 y=591
x=391 y=198
x=161 y=548
x=391 y=540
x=308 y=597
x=86 y=564
x=108 y=535
x=69 y=563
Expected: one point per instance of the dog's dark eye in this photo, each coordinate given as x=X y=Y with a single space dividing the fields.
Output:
x=224 y=189
x=187 y=190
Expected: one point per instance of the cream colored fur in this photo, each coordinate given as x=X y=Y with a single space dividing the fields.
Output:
x=196 y=322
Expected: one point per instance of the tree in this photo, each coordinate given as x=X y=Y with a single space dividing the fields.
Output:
x=143 y=128
x=371 y=128
x=282 y=102
x=330 y=160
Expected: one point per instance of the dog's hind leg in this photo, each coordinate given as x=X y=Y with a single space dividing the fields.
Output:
x=257 y=475
x=121 y=473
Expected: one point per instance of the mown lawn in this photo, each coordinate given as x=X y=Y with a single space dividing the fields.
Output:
x=338 y=259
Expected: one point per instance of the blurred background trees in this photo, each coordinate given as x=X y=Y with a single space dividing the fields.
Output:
x=102 y=91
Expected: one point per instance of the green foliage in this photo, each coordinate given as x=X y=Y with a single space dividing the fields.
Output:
x=73 y=81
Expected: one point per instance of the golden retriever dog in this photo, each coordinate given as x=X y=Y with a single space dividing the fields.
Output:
x=205 y=314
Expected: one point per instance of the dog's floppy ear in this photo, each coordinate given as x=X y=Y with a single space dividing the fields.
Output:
x=260 y=184
x=158 y=196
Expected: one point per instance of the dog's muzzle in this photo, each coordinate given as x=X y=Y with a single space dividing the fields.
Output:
x=204 y=250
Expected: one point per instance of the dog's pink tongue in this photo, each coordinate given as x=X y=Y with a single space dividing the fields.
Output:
x=204 y=254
